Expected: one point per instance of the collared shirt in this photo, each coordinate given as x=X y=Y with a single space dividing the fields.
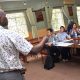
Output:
x=62 y=36
x=10 y=45
x=51 y=38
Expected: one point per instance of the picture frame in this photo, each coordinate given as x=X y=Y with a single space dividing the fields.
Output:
x=70 y=10
x=39 y=15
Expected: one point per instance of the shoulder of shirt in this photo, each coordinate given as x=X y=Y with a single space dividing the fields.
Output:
x=64 y=32
x=9 y=32
x=53 y=35
x=58 y=33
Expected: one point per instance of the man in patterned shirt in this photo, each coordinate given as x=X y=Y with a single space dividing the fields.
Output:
x=11 y=44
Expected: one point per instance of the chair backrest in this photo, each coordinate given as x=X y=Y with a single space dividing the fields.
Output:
x=35 y=40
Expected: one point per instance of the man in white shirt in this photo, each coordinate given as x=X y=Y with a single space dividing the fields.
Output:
x=11 y=44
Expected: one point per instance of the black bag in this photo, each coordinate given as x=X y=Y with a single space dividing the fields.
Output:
x=49 y=63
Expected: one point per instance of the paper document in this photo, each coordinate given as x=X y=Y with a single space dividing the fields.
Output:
x=63 y=44
x=68 y=40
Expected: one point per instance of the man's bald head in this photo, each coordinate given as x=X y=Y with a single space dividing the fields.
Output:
x=2 y=13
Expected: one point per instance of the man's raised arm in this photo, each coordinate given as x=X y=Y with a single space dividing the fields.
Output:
x=37 y=48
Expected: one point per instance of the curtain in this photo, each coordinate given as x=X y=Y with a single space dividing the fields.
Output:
x=32 y=22
x=48 y=11
x=50 y=16
x=65 y=12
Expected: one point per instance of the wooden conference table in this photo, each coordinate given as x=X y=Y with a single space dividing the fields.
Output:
x=72 y=43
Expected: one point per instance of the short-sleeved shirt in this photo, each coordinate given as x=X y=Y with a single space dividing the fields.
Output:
x=62 y=36
x=10 y=45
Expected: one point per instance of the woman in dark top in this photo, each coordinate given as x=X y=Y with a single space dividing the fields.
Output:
x=74 y=32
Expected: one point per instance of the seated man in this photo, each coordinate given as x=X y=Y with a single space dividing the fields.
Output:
x=52 y=50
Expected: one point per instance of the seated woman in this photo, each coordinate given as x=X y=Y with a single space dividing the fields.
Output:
x=74 y=33
x=60 y=37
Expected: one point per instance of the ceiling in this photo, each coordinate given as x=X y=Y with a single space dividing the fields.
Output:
x=35 y=4
x=11 y=0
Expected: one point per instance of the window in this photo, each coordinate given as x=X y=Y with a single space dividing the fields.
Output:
x=17 y=23
x=78 y=14
x=57 y=19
